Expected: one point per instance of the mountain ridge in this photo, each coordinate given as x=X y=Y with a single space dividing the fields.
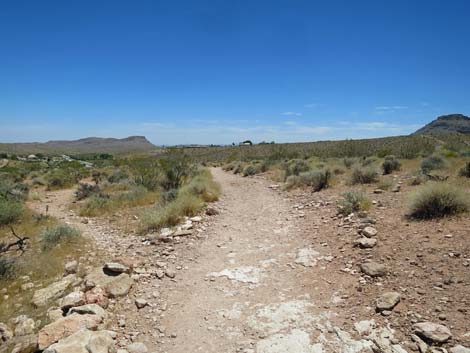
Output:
x=446 y=124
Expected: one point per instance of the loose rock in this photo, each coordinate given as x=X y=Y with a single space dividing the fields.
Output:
x=434 y=332
x=387 y=301
x=373 y=269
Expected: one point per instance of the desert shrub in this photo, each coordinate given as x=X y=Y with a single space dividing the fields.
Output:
x=431 y=163
x=353 y=202
x=10 y=211
x=59 y=179
x=146 y=172
x=170 y=195
x=390 y=165
x=368 y=161
x=7 y=268
x=95 y=205
x=417 y=180
x=176 y=170
x=437 y=200
x=38 y=181
x=293 y=181
x=364 y=176
x=251 y=169
x=229 y=166
x=54 y=236
x=318 y=180
x=86 y=190
x=338 y=171
x=117 y=176
x=465 y=170
x=238 y=168
x=348 y=162
x=296 y=166
x=13 y=191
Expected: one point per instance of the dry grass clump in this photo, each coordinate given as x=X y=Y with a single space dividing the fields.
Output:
x=353 y=202
x=190 y=200
x=437 y=200
x=465 y=171
x=51 y=237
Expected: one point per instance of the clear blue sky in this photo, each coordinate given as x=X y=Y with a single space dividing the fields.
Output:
x=225 y=71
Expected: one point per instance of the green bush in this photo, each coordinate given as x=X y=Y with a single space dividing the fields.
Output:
x=7 y=268
x=364 y=176
x=390 y=165
x=465 y=171
x=203 y=186
x=353 y=202
x=10 y=211
x=54 y=236
x=437 y=200
x=431 y=163
x=118 y=176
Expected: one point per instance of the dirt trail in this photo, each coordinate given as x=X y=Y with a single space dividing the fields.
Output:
x=252 y=289
x=255 y=278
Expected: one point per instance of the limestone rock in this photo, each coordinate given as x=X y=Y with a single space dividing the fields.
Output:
x=137 y=347
x=119 y=286
x=5 y=333
x=71 y=267
x=25 y=344
x=373 y=269
x=56 y=290
x=116 y=268
x=459 y=349
x=365 y=243
x=66 y=327
x=72 y=299
x=97 y=296
x=387 y=301
x=434 y=332
x=369 y=232
x=91 y=309
x=84 y=341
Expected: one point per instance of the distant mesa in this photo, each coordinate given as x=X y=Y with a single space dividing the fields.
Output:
x=85 y=145
x=446 y=124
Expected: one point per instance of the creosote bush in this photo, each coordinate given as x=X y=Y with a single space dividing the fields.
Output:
x=54 y=236
x=364 y=176
x=437 y=200
x=353 y=202
x=431 y=163
x=390 y=165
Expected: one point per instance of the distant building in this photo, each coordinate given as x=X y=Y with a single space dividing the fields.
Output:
x=246 y=143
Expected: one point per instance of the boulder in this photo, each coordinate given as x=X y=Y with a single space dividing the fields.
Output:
x=54 y=313
x=54 y=291
x=387 y=301
x=91 y=309
x=71 y=300
x=119 y=286
x=116 y=268
x=65 y=327
x=369 y=232
x=84 y=341
x=433 y=332
x=373 y=269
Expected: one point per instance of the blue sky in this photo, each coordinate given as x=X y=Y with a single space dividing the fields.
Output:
x=225 y=71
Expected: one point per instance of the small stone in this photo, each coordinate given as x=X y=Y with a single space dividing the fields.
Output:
x=434 y=332
x=141 y=303
x=365 y=243
x=196 y=219
x=369 y=232
x=170 y=273
x=373 y=269
x=71 y=300
x=211 y=211
x=116 y=268
x=387 y=301
x=137 y=347
x=71 y=267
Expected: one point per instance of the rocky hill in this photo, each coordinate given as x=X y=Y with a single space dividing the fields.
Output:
x=447 y=124
x=85 y=145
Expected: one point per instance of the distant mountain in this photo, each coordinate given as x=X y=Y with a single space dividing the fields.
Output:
x=447 y=124
x=85 y=145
